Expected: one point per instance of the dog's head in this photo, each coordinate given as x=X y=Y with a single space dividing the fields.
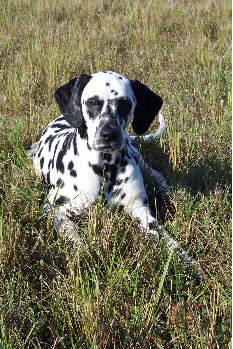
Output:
x=101 y=106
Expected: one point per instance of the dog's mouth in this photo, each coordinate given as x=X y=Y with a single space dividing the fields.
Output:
x=109 y=148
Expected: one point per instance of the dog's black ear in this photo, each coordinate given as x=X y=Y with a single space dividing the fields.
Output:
x=68 y=98
x=148 y=105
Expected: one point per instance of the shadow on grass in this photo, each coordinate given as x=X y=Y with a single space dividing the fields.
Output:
x=203 y=176
x=196 y=177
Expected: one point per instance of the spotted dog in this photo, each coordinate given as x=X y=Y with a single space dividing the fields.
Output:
x=87 y=151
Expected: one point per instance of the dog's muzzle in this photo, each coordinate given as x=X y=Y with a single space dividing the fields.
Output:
x=108 y=134
x=109 y=138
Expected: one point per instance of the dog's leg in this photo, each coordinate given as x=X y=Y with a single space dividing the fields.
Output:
x=154 y=174
x=156 y=233
x=143 y=166
x=65 y=218
x=66 y=226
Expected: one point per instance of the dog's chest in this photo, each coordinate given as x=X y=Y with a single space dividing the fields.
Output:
x=100 y=174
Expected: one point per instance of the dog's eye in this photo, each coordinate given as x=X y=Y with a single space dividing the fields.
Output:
x=94 y=103
x=124 y=108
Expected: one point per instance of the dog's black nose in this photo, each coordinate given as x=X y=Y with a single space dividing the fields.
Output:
x=108 y=134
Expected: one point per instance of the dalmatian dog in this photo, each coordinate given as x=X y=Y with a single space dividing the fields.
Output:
x=87 y=151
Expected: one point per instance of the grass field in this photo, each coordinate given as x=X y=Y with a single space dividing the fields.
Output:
x=122 y=291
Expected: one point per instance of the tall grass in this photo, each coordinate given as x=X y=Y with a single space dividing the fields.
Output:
x=122 y=291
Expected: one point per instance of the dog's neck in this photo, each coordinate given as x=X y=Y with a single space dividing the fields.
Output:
x=96 y=157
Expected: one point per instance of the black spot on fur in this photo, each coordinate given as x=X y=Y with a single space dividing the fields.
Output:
x=110 y=187
x=112 y=91
x=59 y=163
x=83 y=130
x=43 y=179
x=116 y=93
x=126 y=179
x=119 y=77
x=65 y=147
x=153 y=225
x=75 y=144
x=40 y=151
x=57 y=131
x=97 y=169
x=107 y=84
x=123 y=195
x=61 y=200
x=117 y=161
x=75 y=187
x=41 y=162
x=60 y=126
x=51 y=141
x=68 y=141
x=121 y=207
x=54 y=154
x=118 y=181
x=61 y=118
x=73 y=216
x=70 y=165
x=45 y=130
x=116 y=192
x=107 y=157
x=60 y=183
x=123 y=161
x=48 y=178
x=48 y=139
x=112 y=171
x=73 y=173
